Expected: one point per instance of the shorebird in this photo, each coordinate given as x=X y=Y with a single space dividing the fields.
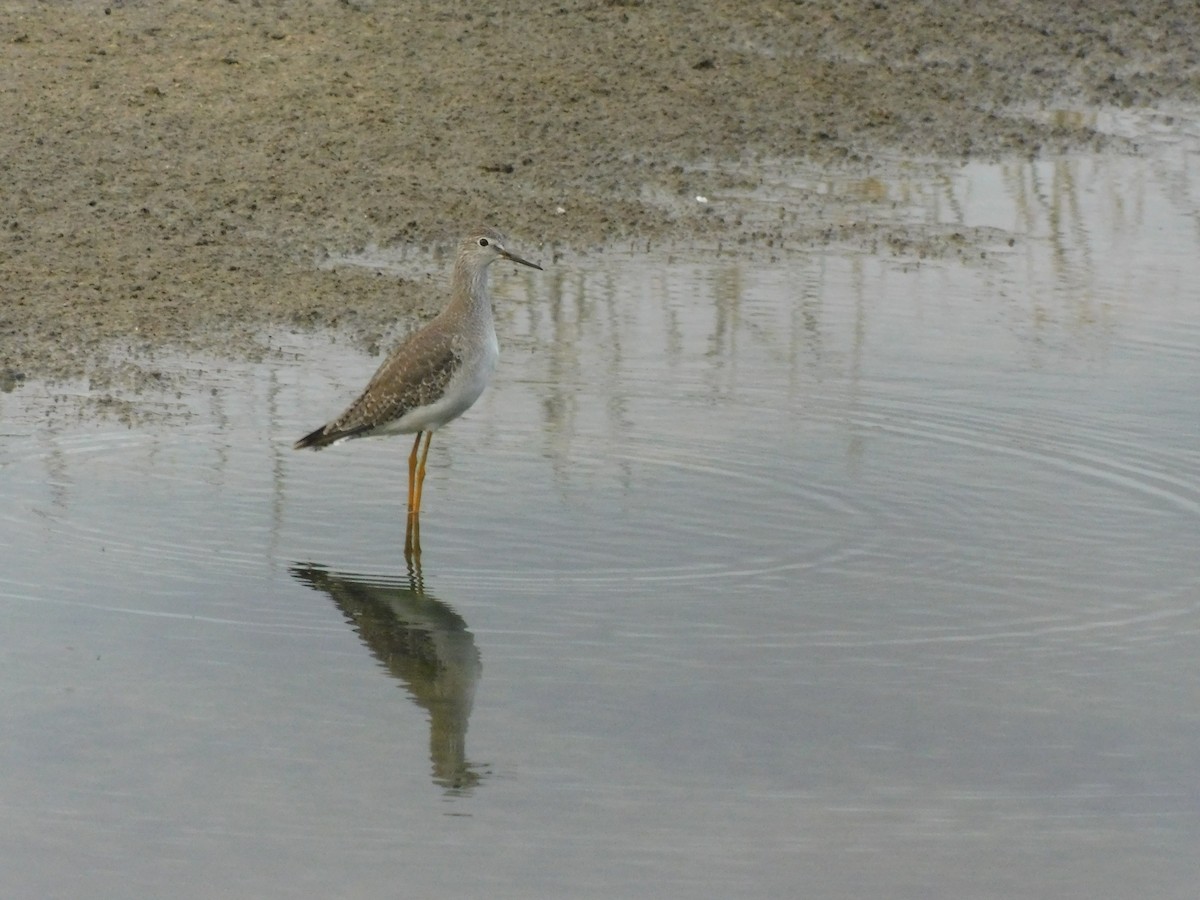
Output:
x=434 y=375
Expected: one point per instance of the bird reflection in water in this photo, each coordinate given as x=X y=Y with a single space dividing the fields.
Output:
x=423 y=643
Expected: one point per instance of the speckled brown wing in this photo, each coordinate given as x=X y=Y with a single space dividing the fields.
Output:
x=416 y=373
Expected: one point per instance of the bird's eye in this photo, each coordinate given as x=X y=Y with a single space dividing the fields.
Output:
x=483 y=242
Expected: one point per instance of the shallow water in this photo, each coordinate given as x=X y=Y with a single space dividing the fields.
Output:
x=846 y=574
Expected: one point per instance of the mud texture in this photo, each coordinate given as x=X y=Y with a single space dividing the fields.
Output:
x=174 y=172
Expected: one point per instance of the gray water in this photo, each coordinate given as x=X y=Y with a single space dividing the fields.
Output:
x=841 y=574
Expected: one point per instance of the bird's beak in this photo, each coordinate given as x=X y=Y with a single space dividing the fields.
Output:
x=518 y=259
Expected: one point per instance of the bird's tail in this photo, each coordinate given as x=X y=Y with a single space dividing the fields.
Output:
x=329 y=434
x=317 y=439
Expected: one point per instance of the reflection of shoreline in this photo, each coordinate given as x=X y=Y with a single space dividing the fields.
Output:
x=422 y=642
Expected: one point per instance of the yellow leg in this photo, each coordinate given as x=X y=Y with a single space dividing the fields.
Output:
x=412 y=541
x=416 y=481
x=421 y=471
x=412 y=549
x=412 y=475
x=412 y=536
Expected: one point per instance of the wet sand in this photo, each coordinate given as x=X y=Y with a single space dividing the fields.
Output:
x=176 y=172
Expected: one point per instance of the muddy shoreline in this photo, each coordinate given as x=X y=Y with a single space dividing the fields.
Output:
x=176 y=172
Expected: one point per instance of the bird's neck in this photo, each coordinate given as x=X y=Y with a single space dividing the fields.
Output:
x=469 y=291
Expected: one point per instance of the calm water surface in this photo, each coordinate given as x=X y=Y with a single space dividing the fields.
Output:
x=845 y=575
